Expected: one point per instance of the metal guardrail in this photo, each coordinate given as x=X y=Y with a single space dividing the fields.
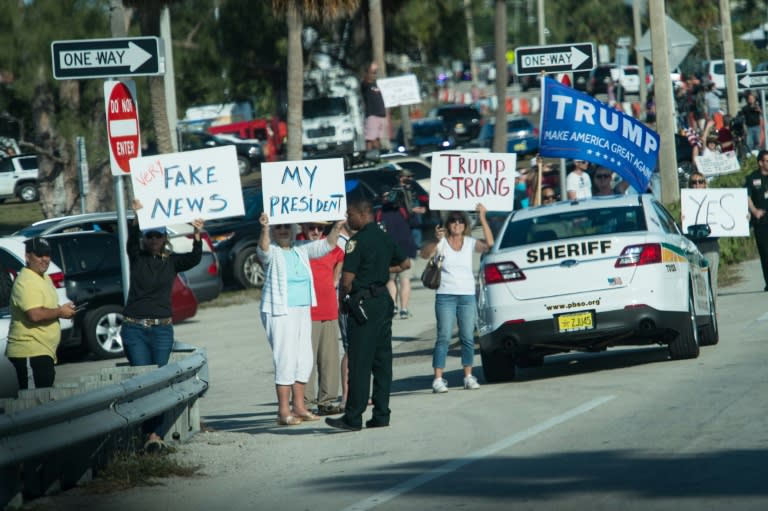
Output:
x=36 y=444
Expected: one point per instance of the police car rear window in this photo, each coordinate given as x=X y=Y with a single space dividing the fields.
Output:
x=573 y=224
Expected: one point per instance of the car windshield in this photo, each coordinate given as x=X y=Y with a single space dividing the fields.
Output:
x=453 y=114
x=428 y=129
x=573 y=224
x=325 y=107
x=518 y=124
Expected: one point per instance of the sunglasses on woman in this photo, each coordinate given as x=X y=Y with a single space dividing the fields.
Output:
x=456 y=219
x=698 y=181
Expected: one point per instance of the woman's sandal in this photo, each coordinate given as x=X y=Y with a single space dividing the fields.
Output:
x=289 y=420
x=154 y=446
x=308 y=417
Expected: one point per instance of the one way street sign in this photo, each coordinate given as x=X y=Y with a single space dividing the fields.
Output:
x=752 y=81
x=106 y=58
x=532 y=60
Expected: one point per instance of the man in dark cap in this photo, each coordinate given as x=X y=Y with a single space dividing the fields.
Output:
x=35 y=333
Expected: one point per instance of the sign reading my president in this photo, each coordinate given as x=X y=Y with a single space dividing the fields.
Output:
x=461 y=180
x=304 y=190
x=180 y=187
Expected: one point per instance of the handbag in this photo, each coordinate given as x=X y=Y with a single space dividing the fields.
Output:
x=430 y=277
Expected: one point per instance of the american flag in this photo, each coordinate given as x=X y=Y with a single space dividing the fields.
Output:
x=693 y=137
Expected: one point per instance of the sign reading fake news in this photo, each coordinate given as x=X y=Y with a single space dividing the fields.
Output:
x=723 y=209
x=577 y=126
x=461 y=180
x=304 y=191
x=180 y=187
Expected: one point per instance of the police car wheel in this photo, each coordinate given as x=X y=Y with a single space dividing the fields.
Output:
x=686 y=344
x=524 y=361
x=498 y=366
x=710 y=334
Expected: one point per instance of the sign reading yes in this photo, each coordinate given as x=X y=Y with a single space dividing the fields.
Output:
x=179 y=187
x=723 y=209
x=304 y=190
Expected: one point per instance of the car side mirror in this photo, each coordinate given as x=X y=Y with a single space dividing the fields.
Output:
x=698 y=231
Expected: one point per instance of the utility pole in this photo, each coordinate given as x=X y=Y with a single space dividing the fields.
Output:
x=500 y=40
x=471 y=40
x=665 y=116
x=730 y=69
x=170 y=76
x=542 y=22
x=638 y=56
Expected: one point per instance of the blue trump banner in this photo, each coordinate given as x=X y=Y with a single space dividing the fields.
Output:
x=577 y=126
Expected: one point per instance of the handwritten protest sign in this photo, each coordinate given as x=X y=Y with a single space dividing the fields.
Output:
x=179 y=187
x=723 y=209
x=399 y=90
x=460 y=180
x=304 y=191
x=714 y=164
x=576 y=125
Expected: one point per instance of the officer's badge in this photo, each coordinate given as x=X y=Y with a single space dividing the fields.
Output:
x=351 y=244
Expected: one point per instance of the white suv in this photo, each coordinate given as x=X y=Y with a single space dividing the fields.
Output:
x=18 y=178
x=716 y=72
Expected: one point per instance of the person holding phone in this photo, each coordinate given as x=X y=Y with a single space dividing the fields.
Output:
x=35 y=332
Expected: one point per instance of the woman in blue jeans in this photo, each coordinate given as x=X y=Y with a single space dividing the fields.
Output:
x=147 y=329
x=456 y=295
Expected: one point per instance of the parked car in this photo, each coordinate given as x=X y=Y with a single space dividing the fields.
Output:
x=204 y=279
x=628 y=77
x=249 y=154
x=235 y=240
x=90 y=262
x=461 y=121
x=599 y=78
x=522 y=136
x=18 y=178
x=716 y=72
x=589 y=275
x=427 y=135
x=12 y=261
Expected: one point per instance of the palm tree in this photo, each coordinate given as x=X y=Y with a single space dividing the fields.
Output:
x=295 y=12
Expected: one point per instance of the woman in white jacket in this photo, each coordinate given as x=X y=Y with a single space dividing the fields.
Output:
x=286 y=299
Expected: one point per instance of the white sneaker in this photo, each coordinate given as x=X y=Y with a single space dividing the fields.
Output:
x=470 y=383
x=439 y=385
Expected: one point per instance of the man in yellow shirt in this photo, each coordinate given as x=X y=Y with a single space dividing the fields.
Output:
x=35 y=333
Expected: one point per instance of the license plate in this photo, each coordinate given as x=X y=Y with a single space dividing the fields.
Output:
x=521 y=146
x=575 y=322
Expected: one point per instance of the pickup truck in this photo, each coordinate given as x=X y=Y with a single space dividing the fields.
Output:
x=18 y=178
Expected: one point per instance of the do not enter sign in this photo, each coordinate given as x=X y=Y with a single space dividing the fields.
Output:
x=122 y=124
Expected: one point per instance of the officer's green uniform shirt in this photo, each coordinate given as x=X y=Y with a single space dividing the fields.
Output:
x=369 y=255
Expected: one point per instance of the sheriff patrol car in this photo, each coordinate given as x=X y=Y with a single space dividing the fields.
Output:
x=587 y=275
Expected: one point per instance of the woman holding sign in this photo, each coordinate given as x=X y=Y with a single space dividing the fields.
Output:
x=286 y=299
x=456 y=295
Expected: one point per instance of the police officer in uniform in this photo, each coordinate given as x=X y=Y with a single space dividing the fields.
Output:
x=757 y=197
x=371 y=255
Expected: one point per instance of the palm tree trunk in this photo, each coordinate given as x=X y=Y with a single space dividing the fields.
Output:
x=295 y=24
x=500 y=39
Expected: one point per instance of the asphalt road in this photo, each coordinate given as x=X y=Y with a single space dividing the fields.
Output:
x=625 y=429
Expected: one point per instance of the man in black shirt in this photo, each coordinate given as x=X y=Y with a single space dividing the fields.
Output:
x=757 y=199
x=375 y=112
x=753 y=120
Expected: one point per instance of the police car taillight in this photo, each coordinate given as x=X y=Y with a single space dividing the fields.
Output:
x=502 y=272
x=638 y=255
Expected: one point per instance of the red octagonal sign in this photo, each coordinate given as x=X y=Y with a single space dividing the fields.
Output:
x=122 y=124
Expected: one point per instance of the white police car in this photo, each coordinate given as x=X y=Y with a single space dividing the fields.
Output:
x=587 y=275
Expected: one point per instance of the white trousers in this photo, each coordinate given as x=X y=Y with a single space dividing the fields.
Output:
x=290 y=337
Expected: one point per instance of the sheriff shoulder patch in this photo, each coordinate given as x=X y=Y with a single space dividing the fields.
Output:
x=351 y=244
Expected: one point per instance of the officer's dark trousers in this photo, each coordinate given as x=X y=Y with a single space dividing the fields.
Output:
x=370 y=351
x=761 y=239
